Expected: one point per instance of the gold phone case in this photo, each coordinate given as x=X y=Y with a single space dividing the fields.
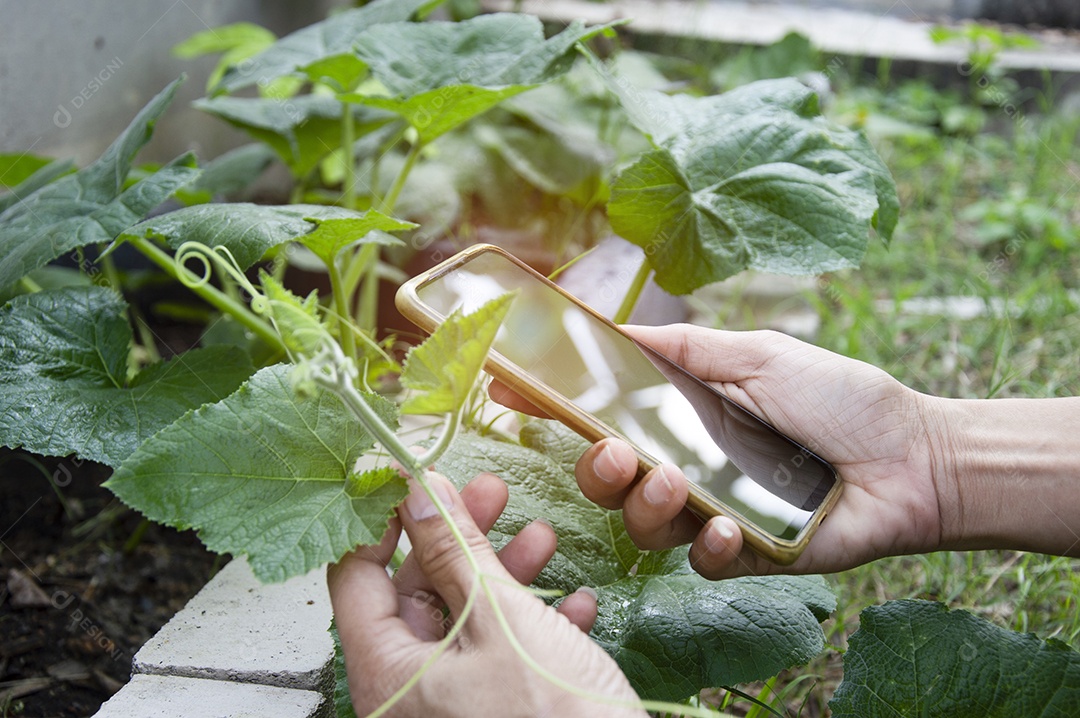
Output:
x=773 y=548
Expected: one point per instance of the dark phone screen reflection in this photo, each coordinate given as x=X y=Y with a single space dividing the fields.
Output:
x=665 y=411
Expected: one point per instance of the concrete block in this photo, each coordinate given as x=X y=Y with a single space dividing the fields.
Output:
x=237 y=629
x=174 y=697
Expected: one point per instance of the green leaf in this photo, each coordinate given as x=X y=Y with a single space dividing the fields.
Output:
x=63 y=377
x=443 y=369
x=266 y=473
x=550 y=161
x=17 y=167
x=671 y=631
x=751 y=178
x=918 y=658
x=91 y=206
x=297 y=321
x=343 y=707
x=237 y=42
x=36 y=181
x=339 y=72
x=302 y=130
x=330 y=236
x=248 y=230
x=436 y=112
x=228 y=174
x=442 y=74
x=331 y=37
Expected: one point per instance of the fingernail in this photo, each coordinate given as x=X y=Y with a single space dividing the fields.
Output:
x=605 y=466
x=418 y=503
x=587 y=591
x=545 y=522
x=658 y=488
x=717 y=535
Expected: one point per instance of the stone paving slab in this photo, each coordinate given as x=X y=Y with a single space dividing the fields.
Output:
x=237 y=629
x=148 y=696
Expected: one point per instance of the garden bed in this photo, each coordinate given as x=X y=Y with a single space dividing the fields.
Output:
x=86 y=583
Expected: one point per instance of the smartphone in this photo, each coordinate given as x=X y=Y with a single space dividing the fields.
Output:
x=583 y=370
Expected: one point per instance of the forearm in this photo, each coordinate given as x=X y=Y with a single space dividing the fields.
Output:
x=1007 y=473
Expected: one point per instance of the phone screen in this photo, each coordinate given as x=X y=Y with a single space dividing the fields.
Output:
x=657 y=405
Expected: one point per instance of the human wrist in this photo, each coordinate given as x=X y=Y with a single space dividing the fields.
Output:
x=1006 y=473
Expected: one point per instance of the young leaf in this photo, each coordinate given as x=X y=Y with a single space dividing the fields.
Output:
x=331 y=37
x=330 y=236
x=248 y=230
x=90 y=206
x=297 y=321
x=266 y=473
x=671 y=631
x=63 y=377
x=442 y=74
x=751 y=178
x=236 y=42
x=918 y=658
x=302 y=130
x=443 y=369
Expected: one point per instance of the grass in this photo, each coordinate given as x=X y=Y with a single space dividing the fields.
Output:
x=992 y=217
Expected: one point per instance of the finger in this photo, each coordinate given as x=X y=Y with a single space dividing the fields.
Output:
x=365 y=603
x=718 y=552
x=509 y=398
x=527 y=553
x=714 y=354
x=605 y=472
x=580 y=608
x=655 y=511
x=421 y=607
x=451 y=567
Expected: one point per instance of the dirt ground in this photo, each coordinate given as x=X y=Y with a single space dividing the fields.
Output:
x=84 y=582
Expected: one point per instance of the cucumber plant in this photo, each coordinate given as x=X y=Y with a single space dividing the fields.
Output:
x=254 y=439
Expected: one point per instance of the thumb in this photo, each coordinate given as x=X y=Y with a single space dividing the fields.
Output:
x=438 y=554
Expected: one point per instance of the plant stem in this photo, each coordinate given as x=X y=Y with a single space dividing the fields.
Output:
x=212 y=296
x=367 y=307
x=341 y=306
x=391 y=198
x=30 y=285
x=348 y=139
x=633 y=293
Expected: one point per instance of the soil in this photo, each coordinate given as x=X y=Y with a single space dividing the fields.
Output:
x=84 y=582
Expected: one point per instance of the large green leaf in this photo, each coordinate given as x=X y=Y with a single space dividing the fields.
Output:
x=248 y=230
x=63 y=377
x=441 y=74
x=443 y=369
x=91 y=206
x=302 y=130
x=330 y=236
x=331 y=37
x=671 y=631
x=918 y=658
x=751 y=178
x=266 y=473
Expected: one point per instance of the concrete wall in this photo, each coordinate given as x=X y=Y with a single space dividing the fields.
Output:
x=73 y=73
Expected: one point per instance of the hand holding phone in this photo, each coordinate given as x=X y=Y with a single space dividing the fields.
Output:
x=581 y=369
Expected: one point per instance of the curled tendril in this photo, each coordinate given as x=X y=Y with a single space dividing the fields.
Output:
x=222 y=259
